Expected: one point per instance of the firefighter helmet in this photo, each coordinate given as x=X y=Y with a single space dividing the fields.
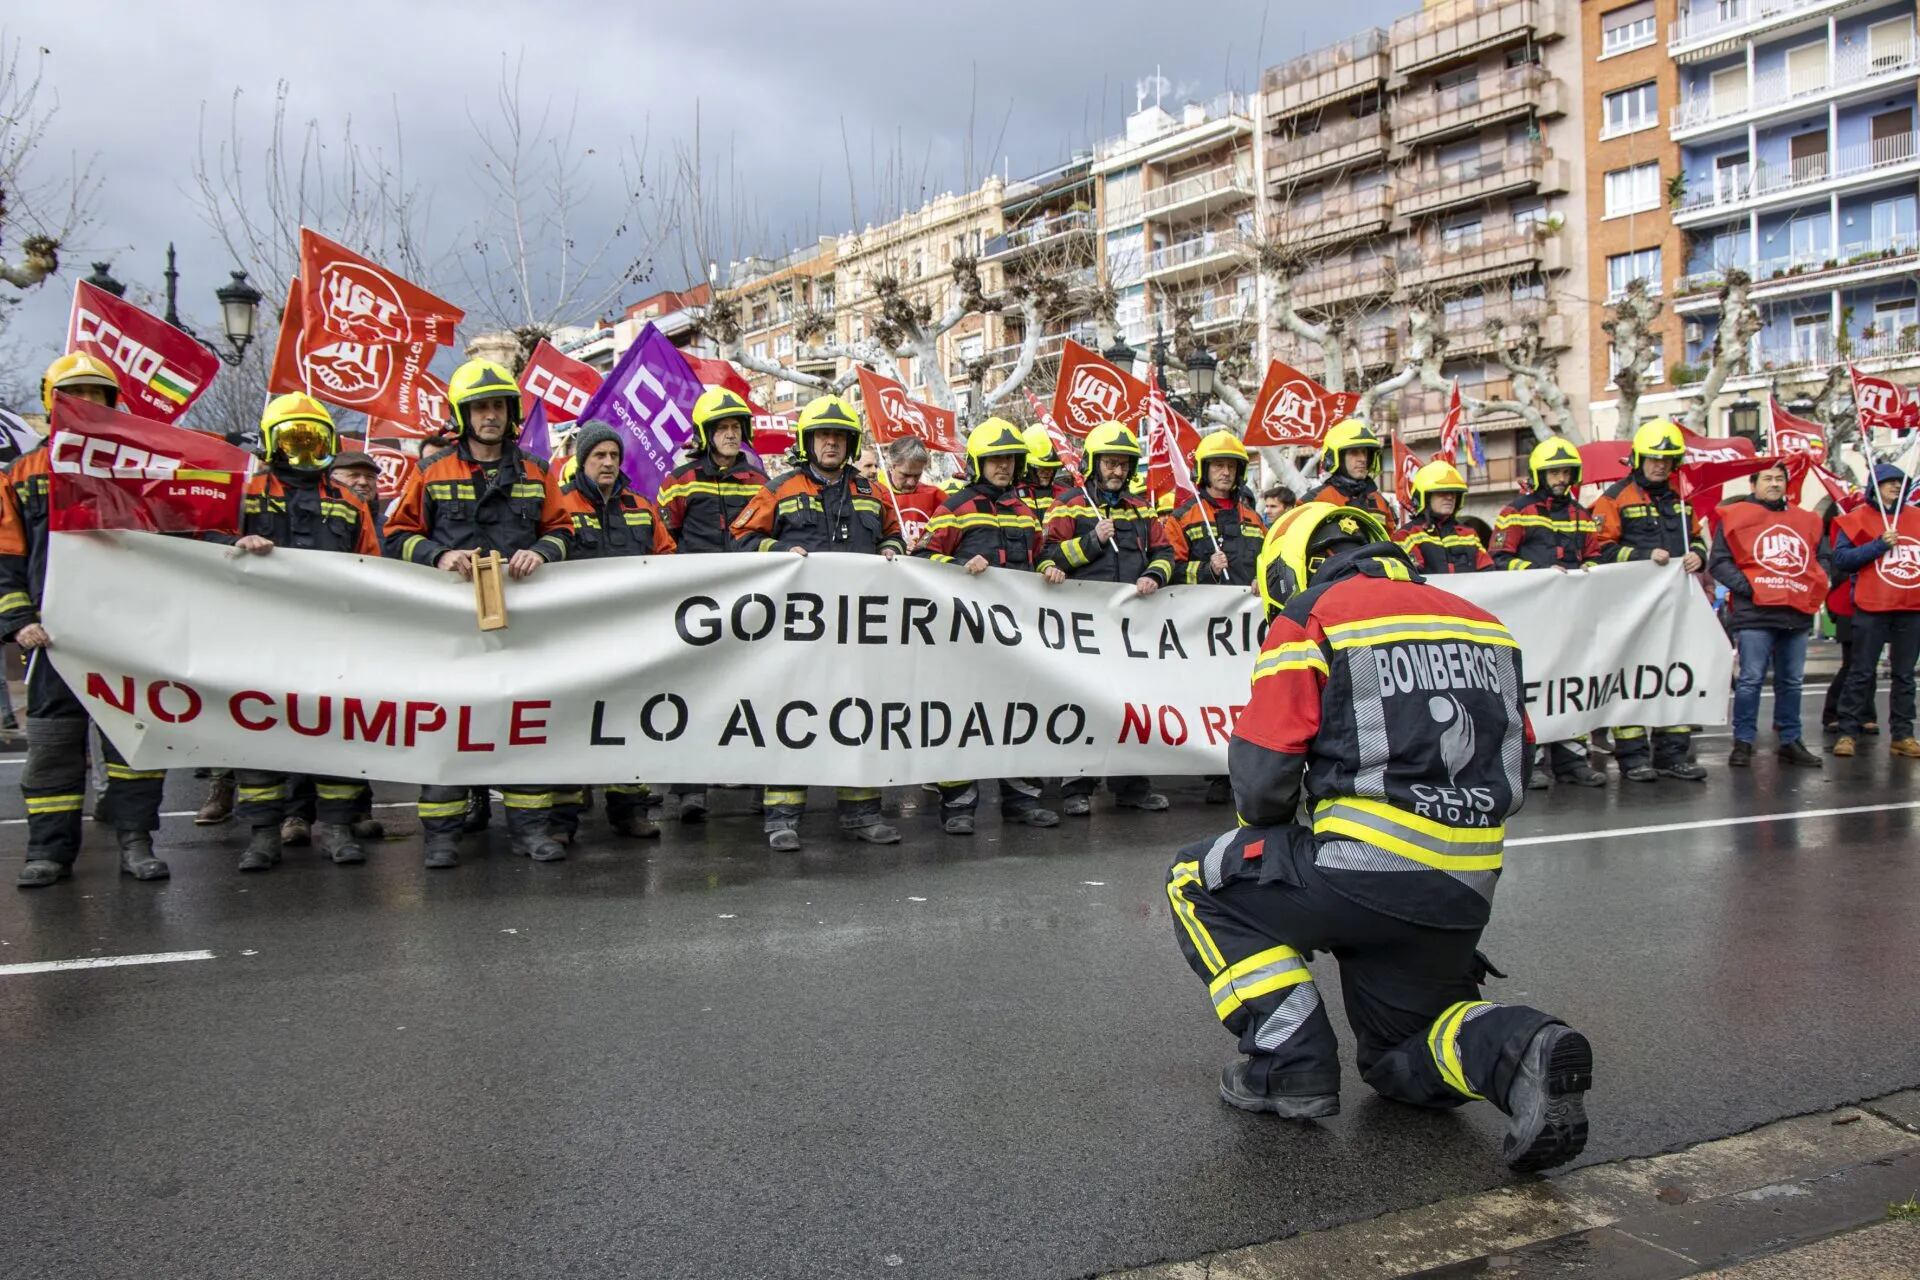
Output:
x=995 y=438
x=299 y=429
x=827 y=413
x=1658 y=439
x=1300 y=542
x=1111 y=439
x=1438 y=476
x=1040 y=450
x=1220 y=446
x=1555 y=453
x=478 y=380
x=716 y=406
x=78 y=369
x=1343 y=436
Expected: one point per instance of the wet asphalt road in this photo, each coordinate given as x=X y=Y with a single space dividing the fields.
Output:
x=948 y=1058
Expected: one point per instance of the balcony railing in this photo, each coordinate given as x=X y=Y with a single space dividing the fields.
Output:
x=1423 y=410
x=1444 y=257
x=1183 y=253
x=1221 y=107
x=1291 y=156
x=1740 y=183
x=1358 y=49
x=1889 y=251
x=1454 y=27
x=1825 y=350
x=1853 y=65
x=1711 y=19
x=1038 y=232
x=1227 y=179
x=1430 y=187
x=1335 y=281
x=1417 y=114
x=1346 y=214
x=1221 y=308
x=1466 y=326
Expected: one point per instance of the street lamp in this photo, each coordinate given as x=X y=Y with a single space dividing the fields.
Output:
x=1201 y=365
x=102 y=279
x=1743 y=418
x=239 y=309
x=1120 y=355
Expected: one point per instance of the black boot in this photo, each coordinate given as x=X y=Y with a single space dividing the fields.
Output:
x=443 y=850
x=1584 y=775
x=1796 y=753
x=263 y=851
x=1546 y=1112
x=136 y=857
x=337 y=843
x=38 y=873
x=1236 y=1092
x=1741 y=756
x=479 y=812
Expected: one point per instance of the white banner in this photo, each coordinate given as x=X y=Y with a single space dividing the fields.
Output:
x=823 y=670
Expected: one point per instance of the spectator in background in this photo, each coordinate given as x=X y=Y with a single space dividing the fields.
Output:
x=359 y=475
x=1275 y=502
x=867 y=464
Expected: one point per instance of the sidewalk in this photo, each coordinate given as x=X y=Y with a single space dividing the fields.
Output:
x=1831 y=1195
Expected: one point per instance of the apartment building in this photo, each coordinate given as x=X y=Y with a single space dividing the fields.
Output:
x=1794 y=124
x=1052 y=229
x=771 y=294
x=1630 y=87
x=1176 y=198
x=918 y=249
x=675 y=312
x=1437 y=160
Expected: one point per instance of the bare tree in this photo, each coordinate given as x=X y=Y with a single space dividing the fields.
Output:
x=40 y=209
x=528 y=262
x=256 y=199
x=1740 y=323
x=1629 y=327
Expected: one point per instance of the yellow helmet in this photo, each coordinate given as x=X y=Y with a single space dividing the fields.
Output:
x=996 y=438
x=1111 y=439
x=718 y=405
x=1438 y=476
x=299 y=429
x=478 y=380
x=1040 y=450
x=78 y=369
x=1658 y=439
x=827 y=413
x=1219 y=446
x=1350 y=433
x=1553 y=454
x=1300 y=542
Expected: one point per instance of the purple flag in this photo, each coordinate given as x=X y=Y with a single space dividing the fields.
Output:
x=648 y=401
x=536 y=437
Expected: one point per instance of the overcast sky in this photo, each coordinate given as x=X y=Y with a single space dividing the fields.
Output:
x=773 y=80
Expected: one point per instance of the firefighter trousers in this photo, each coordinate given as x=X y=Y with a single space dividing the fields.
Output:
x=859 y=807
x=53 y=781
x=624 y=799
x=1635 y=745
x=1017 y=796
x=443 y=810
x=263 y=799
x=1129 y=789
x=1249 y=910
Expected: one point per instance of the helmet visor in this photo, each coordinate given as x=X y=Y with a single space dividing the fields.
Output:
x=306 y=445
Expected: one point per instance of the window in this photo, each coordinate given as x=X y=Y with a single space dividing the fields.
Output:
x=1731 y=173
x=1807 y=156
x=823 y=295
x=1807 y=237
x=759 y=351
x=1893 y=318
x=783 y=345
x=1630 y=110
x=1893 y=223
x=1528 y=213
x=1633 y=190
x=1630 y=28
x=1641 y=264
x=1727 y=91
x=1807 y=68
x=1371 y=180
x=1810 y=336
x=1460 y=235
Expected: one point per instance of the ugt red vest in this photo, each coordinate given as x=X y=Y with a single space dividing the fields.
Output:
x=1890 y=583
x=1779 y=553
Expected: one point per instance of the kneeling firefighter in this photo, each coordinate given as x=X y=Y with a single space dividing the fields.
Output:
x=294 y=503
x=1393 y=709
x=822 y=505
x=988 y=525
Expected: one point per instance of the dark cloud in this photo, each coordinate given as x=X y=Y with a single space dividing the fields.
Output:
x=773 y=82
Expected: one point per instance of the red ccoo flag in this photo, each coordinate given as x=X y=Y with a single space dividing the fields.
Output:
x=161 y=370
x=112 y=470
x=1293 y=409
x=562 y=383
x=354 y=299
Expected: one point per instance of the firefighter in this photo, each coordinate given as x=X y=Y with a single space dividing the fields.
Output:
x=700 y=502
x=606 y=519
x=988 y=525
x=1434 y=538
x=1641 y=517
x=1106 y=534
x=1045 y=473
x=1393 y=709
x=1547 y=528
x=1875 y=543
x=482 y=495
x=822 y=505
x=1350 y=457
x=1216 y=536
x=294 y=503
x=53 y=782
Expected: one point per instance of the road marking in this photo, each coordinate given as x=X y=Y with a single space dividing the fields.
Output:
x=188 y=813
x=1744 y=821
x=104 y=962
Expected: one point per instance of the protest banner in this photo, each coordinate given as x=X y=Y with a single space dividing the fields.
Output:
x=683 y=669
x=161 y=370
